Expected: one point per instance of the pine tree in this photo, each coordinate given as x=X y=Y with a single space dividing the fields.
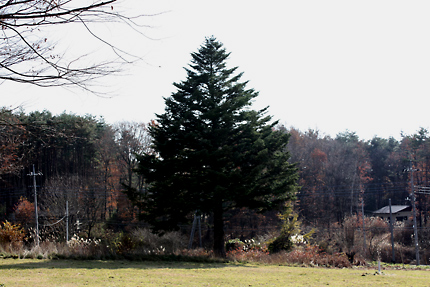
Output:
x=211 y=152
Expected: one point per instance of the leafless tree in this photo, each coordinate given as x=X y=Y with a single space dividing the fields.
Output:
x=84 y=201
x=108 y=172
x=27 y=55
x=132 y=138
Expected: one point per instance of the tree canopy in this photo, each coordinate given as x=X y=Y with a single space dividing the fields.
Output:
x=211 y=152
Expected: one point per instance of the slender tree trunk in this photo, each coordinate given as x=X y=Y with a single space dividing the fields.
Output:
x=218 y=247
x=130 y=174
x=105 y=202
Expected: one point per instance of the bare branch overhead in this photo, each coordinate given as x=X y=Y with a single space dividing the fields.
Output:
x=28 y=56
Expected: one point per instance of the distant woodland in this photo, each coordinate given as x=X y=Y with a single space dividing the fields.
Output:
x=86 y=162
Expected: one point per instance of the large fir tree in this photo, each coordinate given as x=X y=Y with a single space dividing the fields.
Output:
x=211 y=152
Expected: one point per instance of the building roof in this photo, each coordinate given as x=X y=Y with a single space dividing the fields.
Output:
x=394 y=209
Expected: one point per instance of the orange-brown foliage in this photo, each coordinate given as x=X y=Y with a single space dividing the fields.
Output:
x=24 y=211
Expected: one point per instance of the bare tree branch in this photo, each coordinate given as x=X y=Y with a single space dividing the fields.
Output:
x=28 y=57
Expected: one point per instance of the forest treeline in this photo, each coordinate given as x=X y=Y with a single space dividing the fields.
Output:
x=83 y=164
x=344 y=175
x=80 y=161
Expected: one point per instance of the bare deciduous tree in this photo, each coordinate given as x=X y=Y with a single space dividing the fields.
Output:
x=28 y=56
x=132 y=138
x=84 y=201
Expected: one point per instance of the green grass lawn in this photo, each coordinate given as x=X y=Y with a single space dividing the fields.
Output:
x=28 y=272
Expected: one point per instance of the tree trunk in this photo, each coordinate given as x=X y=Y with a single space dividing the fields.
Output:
x=219 y=247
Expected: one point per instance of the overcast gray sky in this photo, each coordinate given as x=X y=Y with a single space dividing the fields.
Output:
x=327 y=65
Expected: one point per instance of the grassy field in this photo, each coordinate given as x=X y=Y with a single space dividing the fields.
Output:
x=28 y=272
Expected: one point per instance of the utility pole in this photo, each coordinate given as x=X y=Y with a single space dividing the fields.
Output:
x=364 y=225
x=67 y=221
x=392 y=232
x=193 y=229
x=190 y=243
x=417 y=251
x=33 y=174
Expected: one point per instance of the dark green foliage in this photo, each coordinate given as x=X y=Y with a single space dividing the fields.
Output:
x=233 y=244
x=290 y=227
x=280 y=243
x=62 y=144
x=213 y=153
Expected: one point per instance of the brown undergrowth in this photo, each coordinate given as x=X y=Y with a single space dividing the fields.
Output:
x=141 y=244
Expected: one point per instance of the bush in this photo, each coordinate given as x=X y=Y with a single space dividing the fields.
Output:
x=311 y=255
x=290 y=232
x=303 y=255
x=85 y=248
x=249 y=250
x=280 y=243
x=147 y=242
x=251 y=255
x=24 y=212
x=12 y=235
x=234 y=244
x=349 y=236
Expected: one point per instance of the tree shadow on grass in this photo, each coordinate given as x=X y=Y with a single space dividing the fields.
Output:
x=21 y=264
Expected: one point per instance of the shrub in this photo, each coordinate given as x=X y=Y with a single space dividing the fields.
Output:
x=147 y=242
x=24 y=212
x=198 y=252
x=303 y=255
x=249 y=250
x=234 y=244
x=311 y=255
x=11 y=234
x=349 y=236
x=280 y=243
x=251 y=255
x=290 y=232
x=85 y=247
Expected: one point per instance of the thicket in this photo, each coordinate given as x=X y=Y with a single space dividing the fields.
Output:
x=84 y=163
x=141 y=244
x=345 y=245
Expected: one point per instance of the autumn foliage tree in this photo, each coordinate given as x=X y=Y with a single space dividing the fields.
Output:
x=24 y=212
x=333 y=174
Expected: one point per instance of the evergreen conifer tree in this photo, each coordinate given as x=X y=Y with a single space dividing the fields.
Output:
x=211 y=152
